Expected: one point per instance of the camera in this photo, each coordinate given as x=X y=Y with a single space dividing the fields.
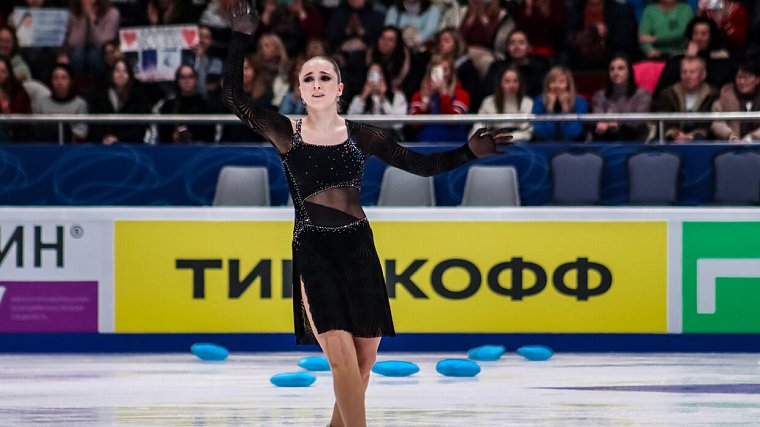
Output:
x=714 y=4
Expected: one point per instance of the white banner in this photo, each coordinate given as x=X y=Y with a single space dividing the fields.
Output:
x=157 y=52
x=40 y=27
x=50 y=265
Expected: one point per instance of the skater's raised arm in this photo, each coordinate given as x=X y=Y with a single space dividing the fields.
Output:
x=275 y=127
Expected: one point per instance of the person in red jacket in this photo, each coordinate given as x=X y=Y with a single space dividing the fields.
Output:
x=731 y=20
x=440 y=93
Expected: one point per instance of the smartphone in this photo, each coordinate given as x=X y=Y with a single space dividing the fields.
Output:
x=436 y=73
x=373 y=76
x=714 y=4
x=183 y=134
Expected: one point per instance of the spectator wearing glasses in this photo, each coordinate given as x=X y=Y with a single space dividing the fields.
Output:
x=741 y=95
x=184 y=100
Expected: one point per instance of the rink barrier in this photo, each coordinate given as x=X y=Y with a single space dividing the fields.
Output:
x=171 y=175
x=614 y=279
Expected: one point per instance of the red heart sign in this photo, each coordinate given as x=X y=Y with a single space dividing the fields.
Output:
x=128 y=37
x=190 y=35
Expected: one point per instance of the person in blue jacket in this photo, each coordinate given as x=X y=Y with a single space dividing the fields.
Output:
x=559 y=97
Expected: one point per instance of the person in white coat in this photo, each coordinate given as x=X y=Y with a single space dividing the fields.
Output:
x=508 y=98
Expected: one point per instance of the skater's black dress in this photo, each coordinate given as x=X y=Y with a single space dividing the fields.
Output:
x=333 y=249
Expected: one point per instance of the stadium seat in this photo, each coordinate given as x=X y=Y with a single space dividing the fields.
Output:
x=737 y=178
x=242 y=186
x=653 y=178
x=491 y=186
x=400 y=188
x=577 y=178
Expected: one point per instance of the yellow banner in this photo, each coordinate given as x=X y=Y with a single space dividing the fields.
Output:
x=633 y=253
x=202 y=276
x=191 y=276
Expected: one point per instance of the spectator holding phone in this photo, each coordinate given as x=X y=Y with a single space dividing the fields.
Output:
x=441 y=93
x=378 y=97
x=184 y=100
x=731 y=20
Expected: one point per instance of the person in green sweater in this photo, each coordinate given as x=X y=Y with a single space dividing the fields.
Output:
x=662 y=26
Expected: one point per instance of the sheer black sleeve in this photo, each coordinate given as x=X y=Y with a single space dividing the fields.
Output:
x=273 y=126
x=382 y=143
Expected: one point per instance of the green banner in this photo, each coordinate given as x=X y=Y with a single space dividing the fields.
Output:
x=721 y=277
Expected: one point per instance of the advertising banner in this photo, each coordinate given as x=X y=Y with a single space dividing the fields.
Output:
x=721 y=277
x=157 y=52
x=48 y=307
x=526 y=276
x=53 y=273
x=234 y=276
x=202 y=276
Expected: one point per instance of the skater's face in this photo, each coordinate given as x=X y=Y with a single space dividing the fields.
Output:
x=320 y=84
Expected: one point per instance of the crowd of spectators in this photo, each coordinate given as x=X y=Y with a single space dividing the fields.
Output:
x=402 y=57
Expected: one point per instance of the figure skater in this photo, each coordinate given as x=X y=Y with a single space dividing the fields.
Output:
x=339 y=298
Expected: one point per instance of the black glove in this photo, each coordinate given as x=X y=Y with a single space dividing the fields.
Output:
x=244 y=18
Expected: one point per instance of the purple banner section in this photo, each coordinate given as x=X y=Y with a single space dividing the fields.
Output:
x=48 y=307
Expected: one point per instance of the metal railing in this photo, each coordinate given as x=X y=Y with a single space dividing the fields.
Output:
x=147 y=119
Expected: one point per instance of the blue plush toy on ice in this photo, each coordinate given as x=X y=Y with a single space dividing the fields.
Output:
x=210 y=352
x=457 y=368
x=486 y=352
x=293 y=379
x=395 y=368
x=314 y=363
x=535 y=352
